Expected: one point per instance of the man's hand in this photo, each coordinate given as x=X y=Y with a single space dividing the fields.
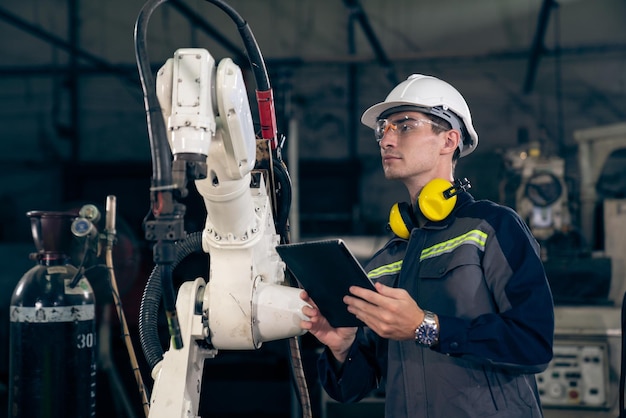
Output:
x=338 y=340
x=391 y=313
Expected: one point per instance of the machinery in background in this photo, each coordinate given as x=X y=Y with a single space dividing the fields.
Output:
x=596 y=146
x=201 y=129
x=588 y=281
x=542 y=196
x=583 y=375
x=577 y=273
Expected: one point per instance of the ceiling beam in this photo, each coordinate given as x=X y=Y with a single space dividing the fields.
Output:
x=45 y=70
x=538 y=46
x=359 y=14
x=54 y=40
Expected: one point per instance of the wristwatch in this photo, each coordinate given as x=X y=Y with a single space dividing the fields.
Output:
x=427 y=333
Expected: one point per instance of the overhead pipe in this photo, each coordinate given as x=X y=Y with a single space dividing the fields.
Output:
x=455 y=57
x=359 y=14
x=538 y=47
x=352 y=92
x=73 y=79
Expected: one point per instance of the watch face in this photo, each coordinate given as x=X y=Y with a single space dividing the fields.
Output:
x=426 y=335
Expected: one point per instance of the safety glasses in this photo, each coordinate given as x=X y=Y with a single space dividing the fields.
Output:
x=402 y=127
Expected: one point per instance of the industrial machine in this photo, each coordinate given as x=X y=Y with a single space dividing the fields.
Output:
x=588 y=280
x=201 y=129
x=542 y=196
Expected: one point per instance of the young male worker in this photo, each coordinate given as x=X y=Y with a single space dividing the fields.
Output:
x=463 y=314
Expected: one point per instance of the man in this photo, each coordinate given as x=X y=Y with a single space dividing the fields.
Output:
x=463 y=314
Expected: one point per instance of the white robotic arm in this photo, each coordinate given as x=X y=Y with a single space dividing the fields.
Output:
x=245 y=301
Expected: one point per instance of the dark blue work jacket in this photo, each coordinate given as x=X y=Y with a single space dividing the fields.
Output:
x=480 y=271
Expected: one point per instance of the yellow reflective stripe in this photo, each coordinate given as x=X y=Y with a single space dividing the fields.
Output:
x=474 y=237
x=386 y=269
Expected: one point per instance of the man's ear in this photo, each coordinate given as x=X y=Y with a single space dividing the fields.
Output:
x=453 y=137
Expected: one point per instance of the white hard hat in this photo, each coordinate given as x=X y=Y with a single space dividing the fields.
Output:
x=428 y=95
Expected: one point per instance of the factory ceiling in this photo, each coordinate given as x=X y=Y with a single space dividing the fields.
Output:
x=530 y=69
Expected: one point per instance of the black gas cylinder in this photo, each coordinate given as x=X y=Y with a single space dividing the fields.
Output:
x=52 y=353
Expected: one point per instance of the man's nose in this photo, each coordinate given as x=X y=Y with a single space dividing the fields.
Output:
x=388 y=139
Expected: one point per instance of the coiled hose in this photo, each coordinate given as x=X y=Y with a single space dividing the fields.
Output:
x=151 y=298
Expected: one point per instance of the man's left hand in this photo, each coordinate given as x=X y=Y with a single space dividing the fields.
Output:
x=391 y=313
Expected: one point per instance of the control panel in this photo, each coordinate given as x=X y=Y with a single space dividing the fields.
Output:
x=577 y=377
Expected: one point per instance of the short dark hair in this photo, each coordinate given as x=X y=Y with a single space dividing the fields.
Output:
x=441 y=122
x=444 y=126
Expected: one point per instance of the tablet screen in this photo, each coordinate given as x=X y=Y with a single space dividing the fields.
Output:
x=326 y=269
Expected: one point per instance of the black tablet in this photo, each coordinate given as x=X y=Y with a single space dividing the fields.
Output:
x=326 y=269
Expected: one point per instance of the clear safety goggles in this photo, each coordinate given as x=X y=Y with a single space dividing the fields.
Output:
x=401 y=127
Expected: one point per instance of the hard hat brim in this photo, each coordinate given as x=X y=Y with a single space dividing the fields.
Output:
x=370 y=116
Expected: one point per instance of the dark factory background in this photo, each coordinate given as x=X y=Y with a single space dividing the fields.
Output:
x=544 y=79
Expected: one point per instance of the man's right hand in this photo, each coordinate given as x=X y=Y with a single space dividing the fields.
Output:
x=338 y=340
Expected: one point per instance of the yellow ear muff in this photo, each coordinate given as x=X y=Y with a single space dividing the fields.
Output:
x=398 y=222
x=436 y=201
x=433 y=202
